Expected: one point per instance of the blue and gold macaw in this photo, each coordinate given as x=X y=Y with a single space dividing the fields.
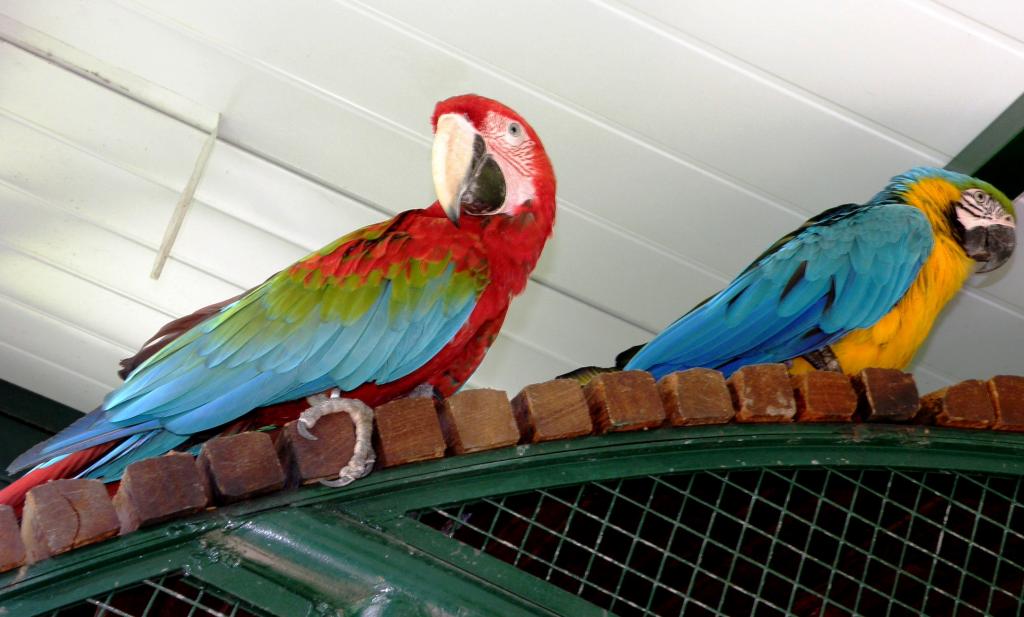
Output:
x=854 y=287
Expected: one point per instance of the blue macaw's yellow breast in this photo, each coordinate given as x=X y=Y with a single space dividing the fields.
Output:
x=893 y=341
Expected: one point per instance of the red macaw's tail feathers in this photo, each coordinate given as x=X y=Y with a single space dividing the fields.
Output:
x=14 y=494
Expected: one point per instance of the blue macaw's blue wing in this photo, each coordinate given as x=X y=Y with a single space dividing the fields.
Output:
x=843 y=270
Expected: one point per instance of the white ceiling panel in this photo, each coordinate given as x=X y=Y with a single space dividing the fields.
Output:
x=914 y=71
x=1005 y=16
x=686 y=138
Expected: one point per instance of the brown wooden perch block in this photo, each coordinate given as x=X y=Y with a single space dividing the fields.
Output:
x=408 y=430
x=762 y=393
x=886 y=395
x=12 y=549
x=157 y=489
x=964 y=405
x=552 y=410
x=479 y=419
x=241 y=466
x=65 y=514
x=824 y=396
x=1007 y=392
x=696 y=396
x=624 y=401
x=309 y=460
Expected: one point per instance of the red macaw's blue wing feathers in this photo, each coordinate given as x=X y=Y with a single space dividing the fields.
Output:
x=842 y=270
x=372 y=307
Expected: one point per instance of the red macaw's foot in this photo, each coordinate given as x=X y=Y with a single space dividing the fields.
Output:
x=363 y=456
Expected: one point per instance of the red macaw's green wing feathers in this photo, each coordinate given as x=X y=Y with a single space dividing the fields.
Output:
x=371 y=307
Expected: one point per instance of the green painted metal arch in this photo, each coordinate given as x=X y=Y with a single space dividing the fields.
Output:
x=318 y=549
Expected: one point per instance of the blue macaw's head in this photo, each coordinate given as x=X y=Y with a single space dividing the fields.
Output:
x=976 y=214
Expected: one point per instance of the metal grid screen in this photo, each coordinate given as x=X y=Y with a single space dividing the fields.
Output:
x=819 y=541
x=172 y=595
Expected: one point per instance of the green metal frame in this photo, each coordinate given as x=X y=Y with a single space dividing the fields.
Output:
x=318 y=549
x=25 y=419
x=997 y=152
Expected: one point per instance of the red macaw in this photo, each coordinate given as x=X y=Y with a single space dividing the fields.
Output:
x=412 y=302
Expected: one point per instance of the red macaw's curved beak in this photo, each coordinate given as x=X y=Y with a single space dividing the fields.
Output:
x=466 y=176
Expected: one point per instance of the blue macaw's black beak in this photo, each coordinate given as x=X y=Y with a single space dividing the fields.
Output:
x=990 y=245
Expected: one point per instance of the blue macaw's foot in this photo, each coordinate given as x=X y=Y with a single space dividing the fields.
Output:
x=363 y=456
x=824 y=359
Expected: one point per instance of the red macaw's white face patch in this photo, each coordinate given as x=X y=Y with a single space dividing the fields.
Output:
x=513 y=150
x=979 y=209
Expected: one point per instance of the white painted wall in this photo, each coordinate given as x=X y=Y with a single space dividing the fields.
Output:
x=687 y=137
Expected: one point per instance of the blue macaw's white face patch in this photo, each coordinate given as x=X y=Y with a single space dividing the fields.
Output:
x=988 y=231
x=979 y=209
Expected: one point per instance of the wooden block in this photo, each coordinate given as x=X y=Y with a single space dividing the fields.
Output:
x=126 y=513
x=696 y=396
x=65 y=514
x=824 y=396
x=1007 y=393
x=157 y=489
x=552 y=410
x=408 y=430
x=478 y=419
x=963 y=405
x=309 y=460
x=12 y=548
x=886 y=395
x=624 y=401
x=762 y=393
x=241 y=466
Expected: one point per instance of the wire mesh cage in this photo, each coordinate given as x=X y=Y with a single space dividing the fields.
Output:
x=818 y=541
x=731 y=520
x=171 y=595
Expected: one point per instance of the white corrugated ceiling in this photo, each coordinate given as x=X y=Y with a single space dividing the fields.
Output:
x=687 y=136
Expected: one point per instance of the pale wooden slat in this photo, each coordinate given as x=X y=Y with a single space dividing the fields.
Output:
x=134 y=208
x=975 y=339
x=510 y=364
x=142 y=140
x=60 y=343
x=55 y=292
x=912 y=74
x=1006 y=16
x=50 y=379
x=89 y=252
x=691 y=101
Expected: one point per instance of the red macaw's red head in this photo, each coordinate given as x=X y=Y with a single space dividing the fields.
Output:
x=488 y=161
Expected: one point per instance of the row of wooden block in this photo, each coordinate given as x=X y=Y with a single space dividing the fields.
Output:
x=65 y=514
